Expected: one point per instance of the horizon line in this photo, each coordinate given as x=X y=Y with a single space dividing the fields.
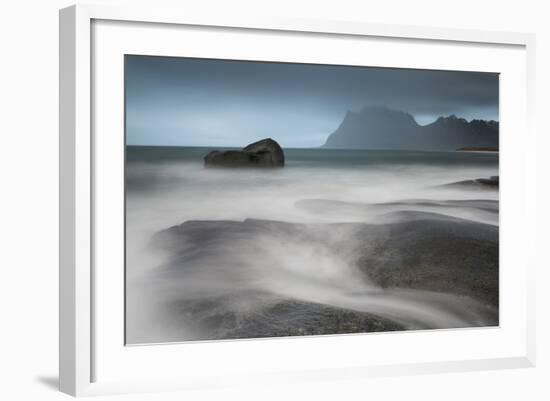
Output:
x=313 y=148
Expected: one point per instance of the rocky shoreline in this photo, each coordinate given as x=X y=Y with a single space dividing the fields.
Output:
x=449 y=264
x=478 y=183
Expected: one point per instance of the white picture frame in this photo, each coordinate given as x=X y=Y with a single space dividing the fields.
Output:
x=82 y=345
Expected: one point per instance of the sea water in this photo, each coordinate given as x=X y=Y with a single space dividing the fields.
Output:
x=167 y=186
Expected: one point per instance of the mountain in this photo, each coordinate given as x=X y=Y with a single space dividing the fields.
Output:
x=378 y=127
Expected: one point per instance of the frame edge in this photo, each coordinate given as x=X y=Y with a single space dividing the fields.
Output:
x=74 y=201
x=530 y=54
x=67 y=112
x=75 y=347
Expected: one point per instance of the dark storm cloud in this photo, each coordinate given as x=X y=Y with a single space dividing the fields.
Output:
x=181 y=101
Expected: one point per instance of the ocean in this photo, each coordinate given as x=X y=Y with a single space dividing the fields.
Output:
x=336 y=242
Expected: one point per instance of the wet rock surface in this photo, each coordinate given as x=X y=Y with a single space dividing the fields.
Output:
x=444 y=255
x=423 y=270
x=211 y=320
x=490 y=183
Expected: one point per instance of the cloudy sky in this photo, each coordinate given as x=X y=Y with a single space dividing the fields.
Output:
x=201 y=102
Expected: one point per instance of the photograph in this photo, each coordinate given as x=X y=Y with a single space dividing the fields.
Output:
x=276 y=199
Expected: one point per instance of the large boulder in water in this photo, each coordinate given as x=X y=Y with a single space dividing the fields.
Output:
x=264 y=153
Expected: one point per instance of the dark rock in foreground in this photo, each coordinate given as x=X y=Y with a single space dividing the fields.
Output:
x=233 y=276
x=264 y=153
x=424 y=251
x=443 y=254
x=284 y=318
x=479 y=183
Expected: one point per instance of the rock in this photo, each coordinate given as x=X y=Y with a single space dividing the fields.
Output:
x=229 y=158
x=264 y=153
x=478 y=149
x=479 y=183
x=418 y=250
x=437 y=253
x=423 y=271
x=209 y=320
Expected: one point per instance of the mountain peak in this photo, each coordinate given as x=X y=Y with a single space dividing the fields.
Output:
x=378 y=112
x=452 y=119
x=381 y=127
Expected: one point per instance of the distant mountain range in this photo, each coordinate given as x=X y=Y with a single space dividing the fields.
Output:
x=378 y=127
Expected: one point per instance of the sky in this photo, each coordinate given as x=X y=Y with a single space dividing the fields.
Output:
x=174 y=101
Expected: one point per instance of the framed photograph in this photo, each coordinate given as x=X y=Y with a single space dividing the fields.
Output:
x=273 y=200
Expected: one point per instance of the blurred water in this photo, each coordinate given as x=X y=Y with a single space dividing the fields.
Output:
x=166 y=186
